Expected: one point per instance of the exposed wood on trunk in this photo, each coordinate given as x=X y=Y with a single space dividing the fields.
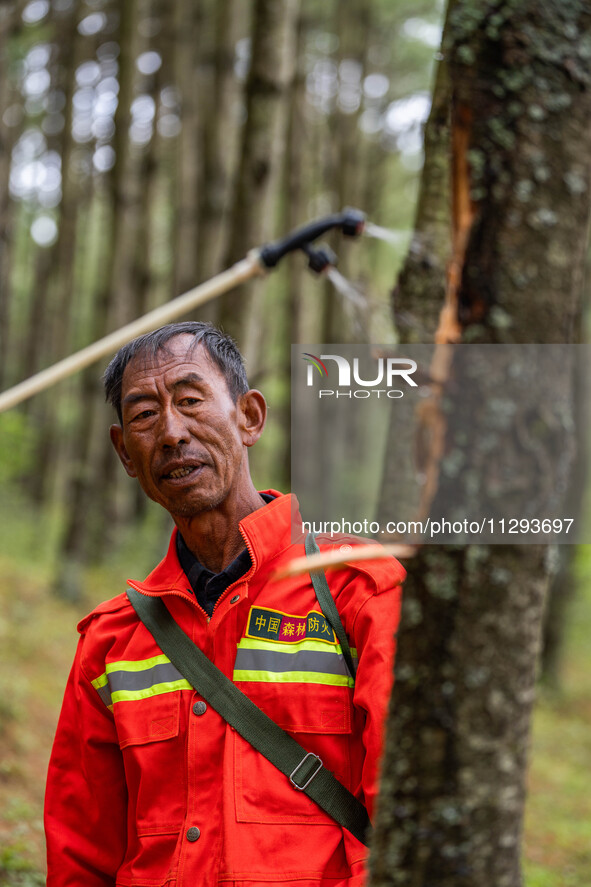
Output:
x=449 y=329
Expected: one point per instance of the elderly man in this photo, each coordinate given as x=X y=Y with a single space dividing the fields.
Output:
x=148 y=784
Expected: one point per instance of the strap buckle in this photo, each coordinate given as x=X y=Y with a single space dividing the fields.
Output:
x=302 y=788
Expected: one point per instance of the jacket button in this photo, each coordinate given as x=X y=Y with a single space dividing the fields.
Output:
x=199 y=709
x=193 y=834
x=235 y=599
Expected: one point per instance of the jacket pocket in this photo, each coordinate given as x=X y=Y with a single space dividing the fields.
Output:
x=151 y=740
x=317 y=717
x=150 y=737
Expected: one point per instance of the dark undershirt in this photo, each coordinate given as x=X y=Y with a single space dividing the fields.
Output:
x=206 y=585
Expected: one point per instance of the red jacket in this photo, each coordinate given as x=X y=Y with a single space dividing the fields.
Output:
x=149 y=786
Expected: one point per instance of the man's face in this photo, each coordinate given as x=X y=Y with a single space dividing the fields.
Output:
x=182 y=435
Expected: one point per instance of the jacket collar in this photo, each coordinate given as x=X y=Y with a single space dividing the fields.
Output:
x=267 y=532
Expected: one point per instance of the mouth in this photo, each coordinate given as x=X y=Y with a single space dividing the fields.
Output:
x=182 y=472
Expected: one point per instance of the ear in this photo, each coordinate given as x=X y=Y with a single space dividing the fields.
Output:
x=252 y=408
x=116 y=432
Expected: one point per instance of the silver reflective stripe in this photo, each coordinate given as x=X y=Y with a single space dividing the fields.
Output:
x=105 y=695
x=304 y=660
x=141 y=680
x=131 y=680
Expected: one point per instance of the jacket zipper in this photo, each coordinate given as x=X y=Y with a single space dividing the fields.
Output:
x=244 y=578
x=192 y=599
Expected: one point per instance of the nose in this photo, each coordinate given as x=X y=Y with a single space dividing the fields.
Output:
x=173 y=429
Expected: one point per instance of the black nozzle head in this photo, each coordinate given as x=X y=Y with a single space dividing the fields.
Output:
x=353 y=222
x=319 y=257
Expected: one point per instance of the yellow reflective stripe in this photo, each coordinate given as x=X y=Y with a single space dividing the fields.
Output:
x=154 y=690
x=117 y=682
x=100 y=682
x=295 y=647
x=136 y=664
x=294 y=677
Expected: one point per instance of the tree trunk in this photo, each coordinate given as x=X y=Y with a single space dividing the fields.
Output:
x=420 y=289
x=220 y=140
x=10 y=25
x=189 y=22
x=114 y=305
x=346 y=171
x=451 y=807
x=48 y=333
x=262 y=146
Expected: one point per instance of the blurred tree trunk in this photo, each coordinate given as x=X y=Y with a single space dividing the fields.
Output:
x=220 y=137
x=420 y=288
x=346 y=170
x=296 y=161
x=262 y=146
x=560 y=594
x=114 y=306
x=62 y=280
x=563 y=582
x=10 y=25
x=188 y=50
x=48 y=333
x=452 y=798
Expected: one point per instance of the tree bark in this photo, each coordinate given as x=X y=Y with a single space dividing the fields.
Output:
x=262 y=146
x=53 y=305
x=114 y=305
x=420 y=288
x=451 y=807
x=10 y=26
x=220 y=142
x=189 y=22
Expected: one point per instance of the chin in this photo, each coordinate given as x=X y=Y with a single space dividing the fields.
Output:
x=194 y=506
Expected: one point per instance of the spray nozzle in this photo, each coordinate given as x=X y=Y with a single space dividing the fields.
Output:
x=319 y=258
x=350 y=222
x=353 y=222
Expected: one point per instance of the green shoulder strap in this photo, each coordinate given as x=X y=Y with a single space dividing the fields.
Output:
x=327 y=604
x=304 y=769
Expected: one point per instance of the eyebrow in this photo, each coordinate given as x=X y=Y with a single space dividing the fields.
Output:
x=189 y=379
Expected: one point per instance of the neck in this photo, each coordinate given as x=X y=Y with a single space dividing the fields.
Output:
x=214 y=536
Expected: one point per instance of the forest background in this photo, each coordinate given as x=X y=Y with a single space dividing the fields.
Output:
x=144 y=147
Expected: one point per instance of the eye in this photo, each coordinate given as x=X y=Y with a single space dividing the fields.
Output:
x=189 y=401
x=145 y=414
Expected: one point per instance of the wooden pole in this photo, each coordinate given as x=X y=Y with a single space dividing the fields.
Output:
x=248 y=267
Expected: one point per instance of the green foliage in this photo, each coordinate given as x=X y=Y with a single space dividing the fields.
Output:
x=16 y=870
x=15 y=446
x=558 y=813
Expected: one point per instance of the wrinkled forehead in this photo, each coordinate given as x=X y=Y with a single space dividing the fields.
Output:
x=182 y=352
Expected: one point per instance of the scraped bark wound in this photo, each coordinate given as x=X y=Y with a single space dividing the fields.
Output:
x=463 y=212
x=430 y=420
